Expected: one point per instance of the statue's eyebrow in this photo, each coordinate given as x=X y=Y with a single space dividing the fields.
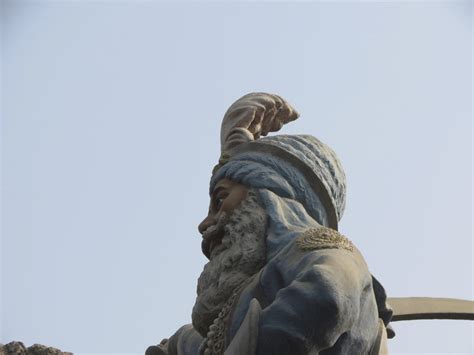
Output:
x=217 y=190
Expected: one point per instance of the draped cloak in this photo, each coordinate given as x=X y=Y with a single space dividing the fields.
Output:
x=315 y=293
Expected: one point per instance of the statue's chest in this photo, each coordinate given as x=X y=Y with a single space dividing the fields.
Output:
x=224 y=327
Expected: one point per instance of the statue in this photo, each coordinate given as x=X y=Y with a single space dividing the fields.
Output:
x=281 y=279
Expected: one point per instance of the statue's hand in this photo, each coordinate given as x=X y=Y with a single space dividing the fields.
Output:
x=155 y=350
x=160 y=349
x=252 y=116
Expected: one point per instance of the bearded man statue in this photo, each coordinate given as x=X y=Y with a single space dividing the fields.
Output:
x=280 y=278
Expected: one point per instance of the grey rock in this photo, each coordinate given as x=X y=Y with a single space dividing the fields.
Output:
x=18 y=348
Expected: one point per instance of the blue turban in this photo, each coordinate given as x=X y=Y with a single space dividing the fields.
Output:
x=300 y=181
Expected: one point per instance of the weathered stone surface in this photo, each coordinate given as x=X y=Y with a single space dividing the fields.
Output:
x=13 y=348
x=18 y=348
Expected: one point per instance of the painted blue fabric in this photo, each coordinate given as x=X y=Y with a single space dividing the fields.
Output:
x=313 y=302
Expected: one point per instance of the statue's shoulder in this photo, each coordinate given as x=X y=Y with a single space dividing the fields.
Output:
x=309 y=247
x=322 y=238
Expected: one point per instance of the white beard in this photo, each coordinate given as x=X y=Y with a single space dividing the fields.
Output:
x=241 y=255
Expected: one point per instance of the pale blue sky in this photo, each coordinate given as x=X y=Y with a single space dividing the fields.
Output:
x=110 y=120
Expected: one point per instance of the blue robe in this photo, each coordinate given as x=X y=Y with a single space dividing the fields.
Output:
x=317 y=300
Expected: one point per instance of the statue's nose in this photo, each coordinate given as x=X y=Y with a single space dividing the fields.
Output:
x=206 y=223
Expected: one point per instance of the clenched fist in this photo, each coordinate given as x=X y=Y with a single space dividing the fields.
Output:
x=252 y=116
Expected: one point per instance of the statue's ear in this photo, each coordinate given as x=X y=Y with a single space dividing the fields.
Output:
x=252 y=116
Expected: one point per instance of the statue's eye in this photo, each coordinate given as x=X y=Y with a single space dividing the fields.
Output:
x=219 y=202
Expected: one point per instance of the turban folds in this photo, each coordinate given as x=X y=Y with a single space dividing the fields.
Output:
x=296 y=167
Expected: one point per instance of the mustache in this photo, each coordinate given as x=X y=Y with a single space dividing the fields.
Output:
x=213 y=234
